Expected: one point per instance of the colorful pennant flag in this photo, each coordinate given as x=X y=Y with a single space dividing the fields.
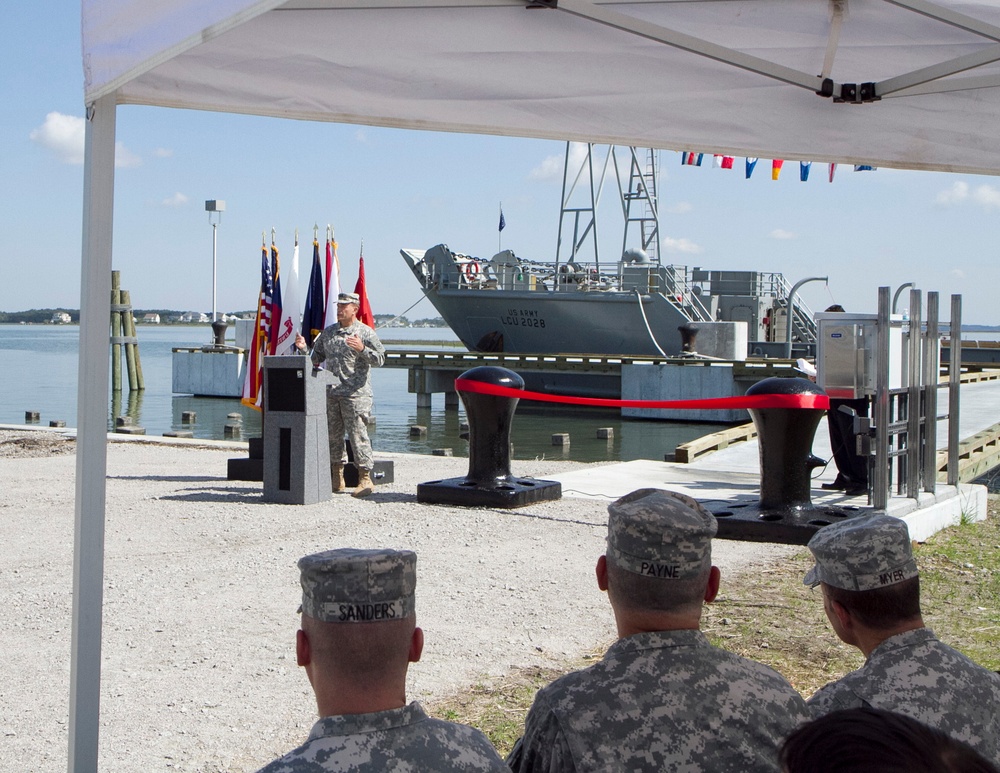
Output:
x=723 y=162
x=863 y=168
x=288 y=324
x=252 y=392
x=804 y=167
x=364 y=307
x=312 y=317
x=503 y=223
x=776 y=168
x=833 y=169
x=751 y=163
x=691 y=159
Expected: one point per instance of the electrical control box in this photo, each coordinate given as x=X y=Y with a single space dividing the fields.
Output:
x=846 y=354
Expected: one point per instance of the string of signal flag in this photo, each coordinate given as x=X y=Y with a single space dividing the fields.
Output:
x=689 y=158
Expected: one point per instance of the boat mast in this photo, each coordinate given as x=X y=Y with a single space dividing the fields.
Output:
x=580 y=200
x=639 y=200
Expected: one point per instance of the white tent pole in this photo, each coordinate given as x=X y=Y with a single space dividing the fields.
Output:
x=92 y=436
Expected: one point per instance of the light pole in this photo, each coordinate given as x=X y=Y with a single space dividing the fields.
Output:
x=214 y=207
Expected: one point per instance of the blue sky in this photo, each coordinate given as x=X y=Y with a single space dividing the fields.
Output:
x=393 y=189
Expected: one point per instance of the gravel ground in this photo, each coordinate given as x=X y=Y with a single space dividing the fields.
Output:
x=201 y=591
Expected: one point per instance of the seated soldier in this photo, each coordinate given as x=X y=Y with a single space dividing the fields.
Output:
x=662 y=698
x=871 y=595
x=357 y=639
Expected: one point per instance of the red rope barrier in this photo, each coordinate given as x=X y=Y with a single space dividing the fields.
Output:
x=820 y=402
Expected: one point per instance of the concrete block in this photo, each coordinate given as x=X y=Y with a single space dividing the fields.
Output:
x=681 y=382
x=188 y=417
x=32 y=417
x=560 y=439
x=57 y=423
x=605 y=433
x=181 y=433
x=232 y=430
x=124 y=421
x=127 y=430
x=441 y=452
x=418 y=430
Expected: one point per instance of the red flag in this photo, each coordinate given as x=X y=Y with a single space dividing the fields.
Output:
x=776 y=168
x=833 y=168
x=364 y=308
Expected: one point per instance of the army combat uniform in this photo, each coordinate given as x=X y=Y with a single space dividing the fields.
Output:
x=910 y=673
x=661 y=701
x=913 y=673
x=403 y=739
x=349 y=403
x=350 y=587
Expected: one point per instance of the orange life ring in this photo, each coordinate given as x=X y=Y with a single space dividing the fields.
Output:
x=471 y=270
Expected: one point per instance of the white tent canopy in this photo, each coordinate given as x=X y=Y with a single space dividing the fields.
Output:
x=647 y=73
x=910 y=84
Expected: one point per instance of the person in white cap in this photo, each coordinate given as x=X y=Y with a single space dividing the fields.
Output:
x=357 y=639
x=663 y=698
x=348 y=350
x=871 y=595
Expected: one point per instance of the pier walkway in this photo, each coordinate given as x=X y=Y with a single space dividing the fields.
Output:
x=733 y=473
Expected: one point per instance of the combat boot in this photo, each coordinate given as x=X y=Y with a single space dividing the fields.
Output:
x=365 y=485
x=337 y=478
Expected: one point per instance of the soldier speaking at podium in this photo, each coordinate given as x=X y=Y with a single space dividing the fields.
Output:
x=348 y=350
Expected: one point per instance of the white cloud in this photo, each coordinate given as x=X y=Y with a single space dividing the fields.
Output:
x=360 y=135
x=987 y=196
x=177 y=200
x=958 y=273
x=781 y=233
x=956 y=194
x=680 y=208
x=552 y=167
x=163 y=153
x=64 y=136
x=125 y=158
x=681 y=245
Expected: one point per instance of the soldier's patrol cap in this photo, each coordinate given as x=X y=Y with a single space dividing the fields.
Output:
x=862 y=554
x=349 y=298
x=659 y=533
x=350 y=585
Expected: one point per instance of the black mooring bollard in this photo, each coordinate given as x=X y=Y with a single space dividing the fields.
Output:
x=219 y=332
x=689 y=332
x=785 y=512
x=489 y=482
x=785 y=438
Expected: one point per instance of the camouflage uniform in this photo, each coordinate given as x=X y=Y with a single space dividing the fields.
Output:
x=662 y=700
x=911 y=673
x=403 y=739
x=349 y=404
x=914 y=674
x=349 y=586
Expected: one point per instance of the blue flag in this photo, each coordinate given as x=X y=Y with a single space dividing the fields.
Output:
x=503 y=222
x=312 y=317
x=804 y=167
x=272 y=333
x=751 y=163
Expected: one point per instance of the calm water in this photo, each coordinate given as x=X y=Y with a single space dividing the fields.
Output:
x=40 y=362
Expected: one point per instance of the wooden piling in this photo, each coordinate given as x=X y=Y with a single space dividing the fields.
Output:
x=116 y=332
x=135 y=380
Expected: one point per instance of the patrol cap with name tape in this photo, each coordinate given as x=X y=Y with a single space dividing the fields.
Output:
x=350 y=585
x=349 y=298
x=658 y=533
x=863 y=553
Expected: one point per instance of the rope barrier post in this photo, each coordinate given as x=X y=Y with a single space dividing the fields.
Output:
x=785 y=443
x=489 y=482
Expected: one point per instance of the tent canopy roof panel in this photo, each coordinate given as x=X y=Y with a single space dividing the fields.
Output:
x=726 y=76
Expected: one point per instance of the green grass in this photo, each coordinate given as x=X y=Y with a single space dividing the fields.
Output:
x=770 y=616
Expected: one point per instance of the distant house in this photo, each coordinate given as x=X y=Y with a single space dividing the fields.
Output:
x=151 y=319
x=194 y=316
x=61 y=318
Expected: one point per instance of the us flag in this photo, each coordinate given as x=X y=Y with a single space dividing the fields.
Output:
x=252 y=392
